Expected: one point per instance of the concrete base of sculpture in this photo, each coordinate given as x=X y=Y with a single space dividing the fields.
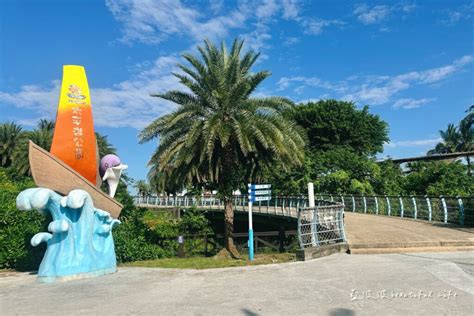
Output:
x=80 y=244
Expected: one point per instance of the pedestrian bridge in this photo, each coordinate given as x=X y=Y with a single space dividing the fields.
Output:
x=372 y=224
x=448 y=210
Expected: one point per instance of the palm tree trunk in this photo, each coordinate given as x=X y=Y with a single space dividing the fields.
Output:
x=229 y=228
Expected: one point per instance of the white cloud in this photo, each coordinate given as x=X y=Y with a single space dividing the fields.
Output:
x=407 y=8
x=257 y=39
x=463 y=12
x=368 y=15
x=216 y=5
x=317 y=26
x=267 y=9
x=125 y=104
x=291 y=41
x=376 y=90
x=379 y=13
x=285 y=82
x=413 y=143
x=290 y=10
x=32 y=97
x=408 y=103
x=154 y=21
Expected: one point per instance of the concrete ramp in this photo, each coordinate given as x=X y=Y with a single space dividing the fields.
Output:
x=373 y=234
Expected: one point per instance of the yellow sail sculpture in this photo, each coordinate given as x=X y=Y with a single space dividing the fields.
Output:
x=74 y=139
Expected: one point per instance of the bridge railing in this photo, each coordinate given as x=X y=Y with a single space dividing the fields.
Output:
x=278 y=205
x=321 y=225
x=444 y=209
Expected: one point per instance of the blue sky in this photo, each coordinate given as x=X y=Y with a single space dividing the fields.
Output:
x=410 y=61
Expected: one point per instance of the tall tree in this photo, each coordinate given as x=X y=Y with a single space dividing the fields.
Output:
x=10 y=136
x=46 y=124
x=219 y=134
x=143 y=188
x=332 y=124
x=458 y=138
x=104 y=146
x=449 y=143
x=41 y=137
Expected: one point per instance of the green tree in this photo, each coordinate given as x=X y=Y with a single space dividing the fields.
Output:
x=219 y=134
x=466 y=135
x=104 y=146
x=143 y=188
x=41 y=137
x=439 y=178
x=390 y=180
x=331 y=123
x=46 y=125
x=450 y=141
x=10 y=136
x=457 y=138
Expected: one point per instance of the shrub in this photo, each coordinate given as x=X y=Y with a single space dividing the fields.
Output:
x=17 y=227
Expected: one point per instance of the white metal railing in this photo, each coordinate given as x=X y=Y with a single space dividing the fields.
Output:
x=444 y=209
x=279 y=205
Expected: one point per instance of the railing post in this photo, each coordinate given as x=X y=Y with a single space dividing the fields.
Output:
x=314 y=228
x=389 y=207
x=365 y=203
x=430 y=211
x=332 y=198
x=342 y=201
x=376 y=205
x=445 y=208
x=461 y=211
x=401 y=206
x=415 y=209
x=353 y=204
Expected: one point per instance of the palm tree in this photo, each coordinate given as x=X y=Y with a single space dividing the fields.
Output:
x=46 y=124
x=10 y=135
x=466 y=135
x=41 y=137
x=219 y=134
x=143 y=188
x=104 y=146
x=449 y=143
x=458 y=139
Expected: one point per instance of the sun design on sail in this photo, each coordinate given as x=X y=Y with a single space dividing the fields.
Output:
x=80 y=242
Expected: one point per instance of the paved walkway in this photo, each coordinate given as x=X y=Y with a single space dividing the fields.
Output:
x=375 y=232
x=341 y=284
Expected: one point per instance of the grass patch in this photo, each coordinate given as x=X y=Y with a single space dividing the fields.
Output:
x=212 y=262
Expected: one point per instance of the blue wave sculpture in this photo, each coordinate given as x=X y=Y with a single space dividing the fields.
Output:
x=80 y=243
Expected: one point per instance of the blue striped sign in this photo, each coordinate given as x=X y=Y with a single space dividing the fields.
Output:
x=254 y=187
x=259 y=198
x=261 y=192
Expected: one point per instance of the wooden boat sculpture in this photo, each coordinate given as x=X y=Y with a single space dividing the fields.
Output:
x=73 y=162
x=50 y=172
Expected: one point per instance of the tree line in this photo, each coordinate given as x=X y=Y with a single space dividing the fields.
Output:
x=221 y=137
